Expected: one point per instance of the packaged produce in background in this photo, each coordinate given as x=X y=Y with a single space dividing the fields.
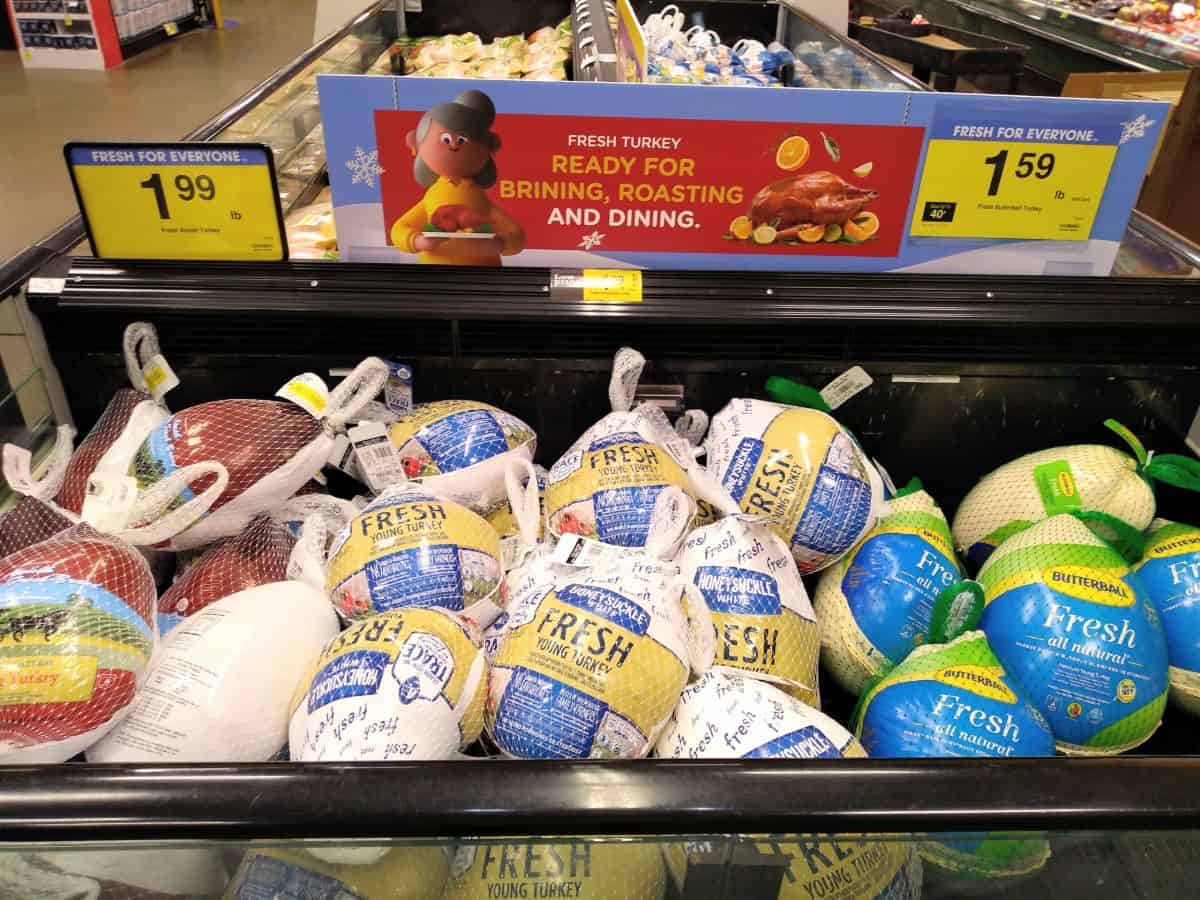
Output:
x=403 y=685
x=956 y=700
x=1073 y=626
x=411 y=549
x=875 y=605
x=590 y=870
x=459 y=449
x=77 y=633
x=1169 y=572
x=416 y=872
x=311 y=232
x=802 y=470
x=219 y=688
x=765 y=625
x=542 y=55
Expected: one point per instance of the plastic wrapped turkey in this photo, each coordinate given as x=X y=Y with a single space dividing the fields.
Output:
x=269 y=448
x=77 y=633
x=1169 y=571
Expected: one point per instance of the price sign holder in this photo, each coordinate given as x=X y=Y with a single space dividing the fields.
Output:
x=195 y=201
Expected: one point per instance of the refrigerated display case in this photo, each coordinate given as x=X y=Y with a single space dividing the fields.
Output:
x=968 y=372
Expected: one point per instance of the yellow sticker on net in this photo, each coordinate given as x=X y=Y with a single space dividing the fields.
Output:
x=1006 y=189
x=612 y=285
x=47 y=679
x=178 y=201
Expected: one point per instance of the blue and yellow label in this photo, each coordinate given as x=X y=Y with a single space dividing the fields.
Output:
x=607 y=490
x=1069 y=623
x=587 y=870
x=586 y=672
x=1170 y=574
x=413 y=550
x=450 y=435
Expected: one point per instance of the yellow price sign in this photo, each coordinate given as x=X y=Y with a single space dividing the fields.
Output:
x=612 y=285
x=178 y=201
x=1007 y=189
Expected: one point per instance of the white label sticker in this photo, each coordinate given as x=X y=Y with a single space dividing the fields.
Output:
x=576 y=550
x=374 y=455
x=341 y=456
x=308 y=392
x=160 y=377
x=845 y=386
x=109 y=501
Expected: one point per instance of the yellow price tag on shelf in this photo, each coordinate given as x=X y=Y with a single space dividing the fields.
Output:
x=178 y=201
x=612 y=285
x=1011 y=189
x=171 y=28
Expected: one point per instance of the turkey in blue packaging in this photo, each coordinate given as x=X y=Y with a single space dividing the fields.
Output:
x=411 y=549
x=606 y=485
x=1073 y=626
x=269 y=448
x=800 y=469
x=1169 y=572
x=875 y=605
x=765 y=625
x=958 y=700
x=592 y=664
x=459 y=449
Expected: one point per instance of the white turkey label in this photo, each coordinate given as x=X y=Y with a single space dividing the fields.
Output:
x=423 y=667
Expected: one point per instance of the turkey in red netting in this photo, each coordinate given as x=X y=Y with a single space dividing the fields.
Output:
x=76 y=635
x=104 y=434
x=29 y=521
x=814 y=198
x=259 y=555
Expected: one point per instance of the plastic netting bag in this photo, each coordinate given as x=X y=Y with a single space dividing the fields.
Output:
x=29 y=521
x=259 y=555
x=1072 y=624
x=269 y=448
x=605 y=486
x=801 y=470
x=592 y=664
x=406 y=685
x=411 y=549
x=1170 y=574
x=875 y=605
x=957 y=700
x=765 y=625
x=219 y=687
x=460 y=448
x=77 y=632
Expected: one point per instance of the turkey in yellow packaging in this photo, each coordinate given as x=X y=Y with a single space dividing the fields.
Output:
x=409 y=548
x=587 y=870
x=403 y=873
x=403 y=685
x=802 y=470
x=593 y=665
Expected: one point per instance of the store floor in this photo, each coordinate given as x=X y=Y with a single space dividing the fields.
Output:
x=158 y=95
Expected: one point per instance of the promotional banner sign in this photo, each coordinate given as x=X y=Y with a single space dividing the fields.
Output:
x=447 y=171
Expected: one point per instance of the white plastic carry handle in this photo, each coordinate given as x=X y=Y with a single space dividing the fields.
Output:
x=152 y=502
x=627 y=371
x=310 y=554
x=18 y=465
x=140 y=344
x=524 y=500
x=355 y=391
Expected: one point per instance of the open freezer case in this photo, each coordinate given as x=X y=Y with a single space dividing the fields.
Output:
x=966 y=374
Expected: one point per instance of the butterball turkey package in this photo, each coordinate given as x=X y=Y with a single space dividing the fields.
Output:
x=77 y=634
x=957 y=700
x=724 y=716
x=801 y=470
x=1170 y=574
x=593 y=665
x=270 y=448
x=606 y=485
x=876 y=604
x=411 y=549
x=764 y=623
x=220 y=685
x=589 y=870
x=402 y=685
x=401 y=873
x=460 y=448
x=1072 y=624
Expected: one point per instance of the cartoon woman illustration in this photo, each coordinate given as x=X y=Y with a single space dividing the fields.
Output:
x=453 y=148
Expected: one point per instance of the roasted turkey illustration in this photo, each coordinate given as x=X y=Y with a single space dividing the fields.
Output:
x=814 y=198
x=455 y=217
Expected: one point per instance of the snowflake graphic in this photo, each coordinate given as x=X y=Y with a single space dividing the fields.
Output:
x=364 y=166
x=591 y=241
x=1135 y=128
